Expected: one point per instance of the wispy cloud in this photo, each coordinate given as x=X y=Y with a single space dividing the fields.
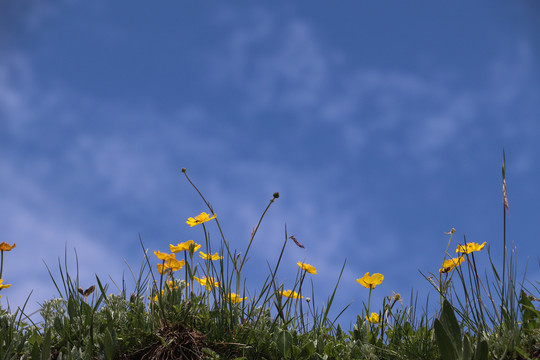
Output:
x=282 y=67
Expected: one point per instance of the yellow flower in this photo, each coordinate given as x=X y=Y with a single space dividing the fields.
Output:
x=470 y=247
x=184 y=246
x=235 y=298
x=4 y=286
x=207 y=282
x=374 y=318
x=199 y=219
x=310 y=269
x=155 y=298
x=211 y=257
x=164 y=256
x=171 y=284
x=291 y=294
x=4 y=246
x=450 y=264
x=172 y=264
x=369 y=282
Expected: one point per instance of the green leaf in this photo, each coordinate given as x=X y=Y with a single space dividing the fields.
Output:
x=36 y=354
x=481 y=352
x=71 y=308
x=87 y=312
x=109 y=345
x=295 y=351
x=284 y=343
x=444 y=341
x=329 y=349
x=339 y=333
x=307 y=350
x=58 y=327
x=467 y=350
x=46 y=350
x=529 y=313
x=451 y=325
x=523 y=353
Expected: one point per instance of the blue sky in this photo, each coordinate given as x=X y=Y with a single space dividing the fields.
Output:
x=381 y=126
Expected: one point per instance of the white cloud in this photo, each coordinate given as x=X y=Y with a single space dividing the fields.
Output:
x=15 y=74
x=284 y=67
x=41 y=227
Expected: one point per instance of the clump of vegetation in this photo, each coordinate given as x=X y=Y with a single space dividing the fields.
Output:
x=193 y=304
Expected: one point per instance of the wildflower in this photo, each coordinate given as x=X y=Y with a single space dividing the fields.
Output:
x=155 y=297
x=207 y=282
x=4 y=246
x=374 y=318
x=310 y=269
x=186 y=245
x=161 y=269
x=211 y=257
x=451 y=231
x=470 y=247
x=4 y=286
x=199 y=219
x=450 y=264
x=164 y=256
x=235 y=298
x=291 y=294
x=395 y=298
x=172 y=264
x=171 y=284
x=369 y=282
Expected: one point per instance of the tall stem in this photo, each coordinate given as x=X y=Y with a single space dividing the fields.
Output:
x=505 y=208
x=1 y=263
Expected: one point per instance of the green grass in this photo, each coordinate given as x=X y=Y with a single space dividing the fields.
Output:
x=171 y=316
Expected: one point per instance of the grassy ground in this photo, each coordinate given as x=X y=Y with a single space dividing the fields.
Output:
x=194 y=305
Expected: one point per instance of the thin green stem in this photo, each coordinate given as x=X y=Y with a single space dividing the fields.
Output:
x=1 y=263
x=244 y=258
x=212 y=211
x=369 y=303
x=504 y=225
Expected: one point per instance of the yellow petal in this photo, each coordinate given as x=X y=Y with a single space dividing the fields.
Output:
x=369 y=282
x=291 y=294
x=310 y=269
x=4 y=246
x=4 y=286
x=235 y=298
x=450 y=264
x=184 y=246
x=164 y=256
x=199 y=219
x=374 y=318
